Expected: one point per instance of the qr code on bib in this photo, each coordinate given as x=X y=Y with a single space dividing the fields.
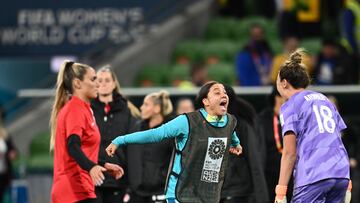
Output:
x=210 y=176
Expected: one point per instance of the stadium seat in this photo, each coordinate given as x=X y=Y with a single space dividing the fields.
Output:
x=188 y=52
x=179 y=73
x=222 y=72
x=220 y=51
x=312 y=45
x=241 y=31
x=276 y=45
x=152 y=76
x=220 y=28
x=39 y=158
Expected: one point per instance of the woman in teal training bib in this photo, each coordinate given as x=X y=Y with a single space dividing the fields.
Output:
x=202 y=139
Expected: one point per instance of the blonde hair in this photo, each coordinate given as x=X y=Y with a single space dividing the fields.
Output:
x=295 y=58
x=162 y=98
x=133 y=109
x=107 y=68
x=64 y=89
x=3 y=132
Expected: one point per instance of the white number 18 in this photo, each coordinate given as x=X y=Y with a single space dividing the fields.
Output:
x=324 y=119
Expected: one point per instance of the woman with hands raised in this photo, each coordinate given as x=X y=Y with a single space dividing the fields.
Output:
x=202 y=139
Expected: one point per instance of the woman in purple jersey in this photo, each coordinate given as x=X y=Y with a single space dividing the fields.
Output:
x=312 y=150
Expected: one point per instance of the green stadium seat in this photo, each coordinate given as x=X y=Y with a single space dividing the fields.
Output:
x=220 y=28
x=188 y=52
x=40 y=158
x=221 y=50
x=312 y=45
x=152 y=76
x=276 y=46
x=241 y=30
x=179 y=73
x=222 y=72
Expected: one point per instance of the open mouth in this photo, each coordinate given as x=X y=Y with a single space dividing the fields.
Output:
x=223 y=104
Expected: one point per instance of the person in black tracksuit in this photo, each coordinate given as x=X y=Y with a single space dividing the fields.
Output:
x=245 y=180
x=114 y=118
x=148 y=164
x=270 y=126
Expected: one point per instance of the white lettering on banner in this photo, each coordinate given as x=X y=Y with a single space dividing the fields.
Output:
x=35 y=36
x=36 y=17
x=80 y=35
x=74 y=26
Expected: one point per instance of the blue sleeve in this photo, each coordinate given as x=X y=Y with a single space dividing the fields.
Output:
x=176 y=127
x=234 y=140
x=349 y=28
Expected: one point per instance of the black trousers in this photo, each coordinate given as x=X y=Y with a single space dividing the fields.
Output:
x=87 y=201
x=245 y=199
x=4 y=183
x=109 y=195
x=134 y=198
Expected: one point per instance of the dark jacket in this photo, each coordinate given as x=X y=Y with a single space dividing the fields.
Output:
x=118 y=121
x=341 y=66
x=7 y=175
x=273 y=157
x=244 y=175
x=148 y=164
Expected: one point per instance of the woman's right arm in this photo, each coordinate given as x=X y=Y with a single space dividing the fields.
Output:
x=176 y=127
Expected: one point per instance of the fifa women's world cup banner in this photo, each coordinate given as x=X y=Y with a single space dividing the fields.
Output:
x=47 y=27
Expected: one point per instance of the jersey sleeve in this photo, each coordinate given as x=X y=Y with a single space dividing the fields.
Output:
x=176 y=127
x=234 y=140
x=341 y=124
x=288 y=119
x=75 y=123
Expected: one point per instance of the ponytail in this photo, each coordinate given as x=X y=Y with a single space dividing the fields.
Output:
x=67 y=73
x=162 y=98
x=166 y=105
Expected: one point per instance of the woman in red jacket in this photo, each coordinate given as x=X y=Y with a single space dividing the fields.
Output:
x=75 y=137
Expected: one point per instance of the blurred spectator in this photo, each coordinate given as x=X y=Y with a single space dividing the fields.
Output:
x=333 y=65
x=351 y=34
x=114 y=118
x=271 y=130
x=253 y=62
x=290 y=44
x=199 y=74
x=148 y=164
x=299 y=18
x=331 y=18
x=234 y=8
x=350 y=137
x=351 y=25
x=184 y=105
x=243 y=8
x=244 y=181
x=7 y=155
x=266 y=8
x=288 y=24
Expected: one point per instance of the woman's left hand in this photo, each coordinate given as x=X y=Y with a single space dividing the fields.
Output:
x=110 y=150
x=236 y=150
x=115 y=170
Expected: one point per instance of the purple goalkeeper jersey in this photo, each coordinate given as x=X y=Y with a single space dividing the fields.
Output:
x=317 y=125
